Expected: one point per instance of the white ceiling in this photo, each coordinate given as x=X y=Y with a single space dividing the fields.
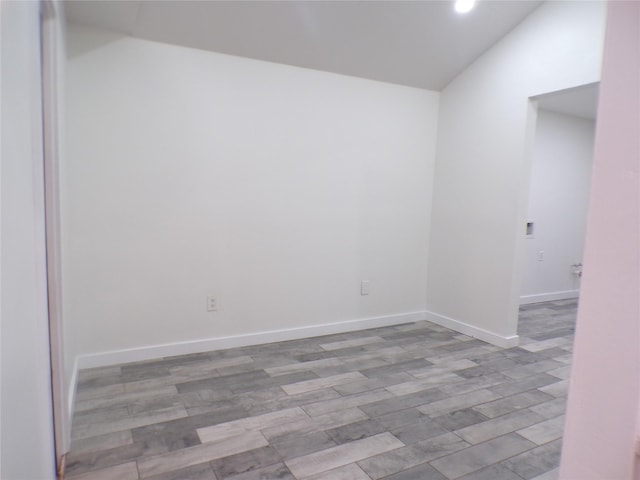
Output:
x=580 y=101
x=422 y=44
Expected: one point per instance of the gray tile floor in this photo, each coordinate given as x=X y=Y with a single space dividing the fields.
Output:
x=408 y=402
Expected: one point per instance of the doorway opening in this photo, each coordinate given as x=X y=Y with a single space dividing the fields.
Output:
x=552 y=241
x=560 y=176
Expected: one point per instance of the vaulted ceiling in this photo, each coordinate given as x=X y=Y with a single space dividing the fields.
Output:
x=422 y=44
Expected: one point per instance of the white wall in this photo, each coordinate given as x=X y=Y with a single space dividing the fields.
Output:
x=600 y=435
x=558 y=199
x=25 y=408
x=276 y=188
x=481 y=182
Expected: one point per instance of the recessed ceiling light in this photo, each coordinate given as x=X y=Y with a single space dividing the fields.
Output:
x=464 y=6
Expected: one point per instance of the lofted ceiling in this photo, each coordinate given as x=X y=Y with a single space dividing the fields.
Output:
x=422 y=44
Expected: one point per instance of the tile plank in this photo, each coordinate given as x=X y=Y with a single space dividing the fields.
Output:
x=339 y=456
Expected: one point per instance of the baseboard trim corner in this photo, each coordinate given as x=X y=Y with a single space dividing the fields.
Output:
x=115 y=357
x=473 y=331
x=549 y=297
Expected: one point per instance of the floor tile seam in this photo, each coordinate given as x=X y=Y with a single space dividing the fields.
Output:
x=537 y=445
x=363 y=470
x=475 y=389
x=429 y=388
x=102 y=450
x=192 y=448
x=541 y=444
x=86 y=418
x=79 y=439
x=419 y=447
x=403 y=445
x=360 y=379
x=449 y=398
x=314 y=428
x=482 y=443
x=92 y=468
x=474 y=408
x=345 y=397
x=518 y=412
x=257 y=467
x=504 y=463
x=116 y=395
x=259 y=430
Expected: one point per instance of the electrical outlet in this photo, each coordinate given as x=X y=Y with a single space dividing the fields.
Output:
x=212 y=304
x=541 y=256
x=364 y=287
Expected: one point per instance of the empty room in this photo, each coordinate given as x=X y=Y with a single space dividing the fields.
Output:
x=319 y=240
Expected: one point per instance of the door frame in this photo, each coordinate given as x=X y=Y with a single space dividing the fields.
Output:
x=49 y=42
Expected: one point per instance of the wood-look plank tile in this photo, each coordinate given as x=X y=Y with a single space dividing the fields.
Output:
x=297 y=445
x=320 y=383
x=498 y=426
x=552 y=408
x=373 y=383
x=311 y=402
x=78 y=463
x=97 y=392
x=246 y=461
x=394 y=404
x=557 y=389
x=303 y=366
x=278 y=471
x=121 y=398
x=510 y=404
x=339 y=456
x=100 y=415
x=394 y=461
x=482 y=455
x=90 y=373
x=125 y=471
x=327 y=421
x=420 y=472
x=244 y=425
x=424 y=383
x=202 y=471
x=451 y=404
x=356 y=342
x=493 y=472
x=289 y=401
x=166 y=462
x=102 y=442
x=320 y=408
x=348 y=472
x=544 y=431
x=475 y=383
x=550 y=475
x=443 y=368
x=127 y=423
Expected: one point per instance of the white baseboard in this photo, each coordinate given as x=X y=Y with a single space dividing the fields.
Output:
x=472 y=331
x=115 y=357
x=549 y=297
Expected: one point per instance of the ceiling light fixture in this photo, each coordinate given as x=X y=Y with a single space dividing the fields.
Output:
x=464 y=6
